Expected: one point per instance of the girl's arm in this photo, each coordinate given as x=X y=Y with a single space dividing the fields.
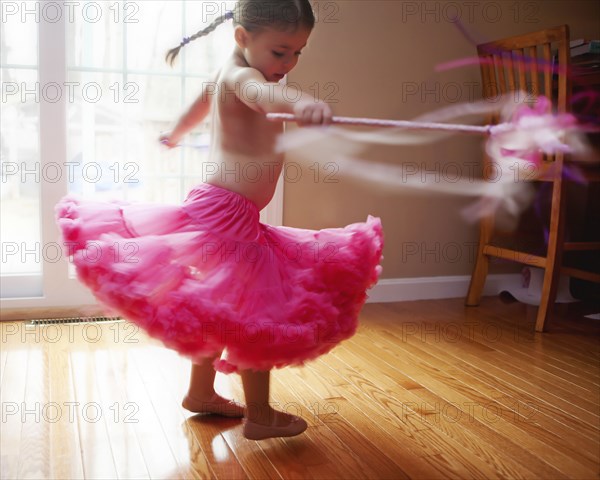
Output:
x=195 y=114
x=253 y=89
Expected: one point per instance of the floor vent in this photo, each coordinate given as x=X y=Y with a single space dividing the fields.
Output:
x=73 y=320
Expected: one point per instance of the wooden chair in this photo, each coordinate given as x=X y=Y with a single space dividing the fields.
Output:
x=533 y=63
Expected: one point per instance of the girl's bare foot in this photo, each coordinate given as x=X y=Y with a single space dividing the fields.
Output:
x=215 y=404
x=275 y=424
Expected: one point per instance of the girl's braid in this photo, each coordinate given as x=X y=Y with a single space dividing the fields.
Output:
x=172 y=54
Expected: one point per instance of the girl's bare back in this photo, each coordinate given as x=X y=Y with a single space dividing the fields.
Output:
x=243 y=157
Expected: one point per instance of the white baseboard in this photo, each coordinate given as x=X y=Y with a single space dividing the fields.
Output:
x=430 y=288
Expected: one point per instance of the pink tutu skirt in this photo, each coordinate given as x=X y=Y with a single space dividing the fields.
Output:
x=207 y=276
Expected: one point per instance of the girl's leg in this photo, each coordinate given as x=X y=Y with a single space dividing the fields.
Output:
x=201 y=396
x=262 y=421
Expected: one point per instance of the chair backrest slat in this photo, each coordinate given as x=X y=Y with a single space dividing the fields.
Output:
x=547 y=68
x=533 y=70
x=497 y=76
x=520 y=58
x=544 y=55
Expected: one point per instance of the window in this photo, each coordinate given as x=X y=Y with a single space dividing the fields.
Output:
x=86 y=81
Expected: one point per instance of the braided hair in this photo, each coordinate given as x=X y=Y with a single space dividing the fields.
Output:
x=255 y=15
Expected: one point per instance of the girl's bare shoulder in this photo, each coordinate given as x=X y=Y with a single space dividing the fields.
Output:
x=235 y=71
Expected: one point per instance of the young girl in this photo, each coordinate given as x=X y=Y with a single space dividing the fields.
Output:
x=207 y=278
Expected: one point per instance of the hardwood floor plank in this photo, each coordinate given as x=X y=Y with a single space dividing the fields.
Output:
x=3 y=353
x=34 y=458
x=34 y=461
x=12 y=399
x=98 y=461
x=65 y=445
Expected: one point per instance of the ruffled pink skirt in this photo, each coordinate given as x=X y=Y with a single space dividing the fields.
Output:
x=207 y=276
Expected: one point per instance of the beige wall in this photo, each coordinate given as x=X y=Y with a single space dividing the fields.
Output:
x=374 y=52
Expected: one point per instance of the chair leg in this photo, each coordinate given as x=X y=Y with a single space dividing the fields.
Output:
x=482 y=262
x=553 y=255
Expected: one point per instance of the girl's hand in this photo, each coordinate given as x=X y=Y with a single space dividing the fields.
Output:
x=313 y=113
x=165 y=139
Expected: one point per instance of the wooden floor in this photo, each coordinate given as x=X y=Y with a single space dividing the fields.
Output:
x=425 y=390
